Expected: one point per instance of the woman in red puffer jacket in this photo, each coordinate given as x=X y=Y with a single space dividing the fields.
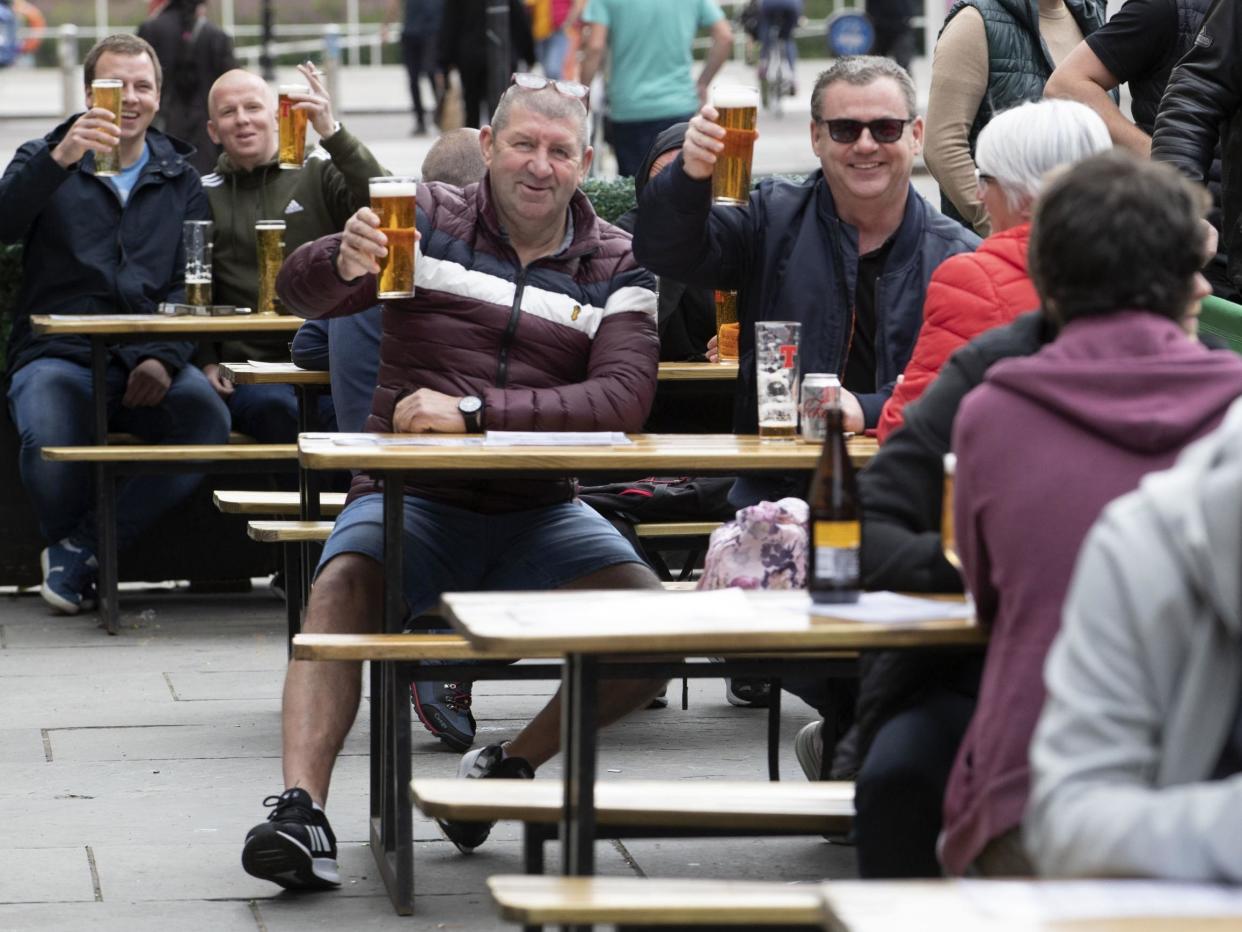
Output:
x=974 y=292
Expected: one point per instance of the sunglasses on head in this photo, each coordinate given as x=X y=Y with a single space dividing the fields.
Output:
x=537 y=82
x=886 y=129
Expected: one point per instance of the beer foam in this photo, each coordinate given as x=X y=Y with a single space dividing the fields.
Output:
x=735 y=95
x=394 y=189
x=293 y=89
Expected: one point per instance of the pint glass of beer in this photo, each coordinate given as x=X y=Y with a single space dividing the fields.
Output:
x=727 y=327
x=392 y=199
x=948 y=533
x=737 y=109
x=292 y=127
x=270 y=237
x=106 y=94
x=776 y=378
x=196 y=238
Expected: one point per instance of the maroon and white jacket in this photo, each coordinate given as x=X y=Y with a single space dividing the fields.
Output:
x=567 y=343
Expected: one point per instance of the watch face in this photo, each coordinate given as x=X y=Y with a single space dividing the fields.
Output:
x=470 y=404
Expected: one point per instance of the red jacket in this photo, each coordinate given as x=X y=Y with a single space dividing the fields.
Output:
x=566 y=343
x=968 y=294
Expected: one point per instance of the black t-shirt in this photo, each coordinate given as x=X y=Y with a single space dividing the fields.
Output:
x=1134 y=42
x=859 y=375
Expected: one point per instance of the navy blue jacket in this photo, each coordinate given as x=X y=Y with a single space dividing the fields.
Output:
x=792 y=258
x=86 y=254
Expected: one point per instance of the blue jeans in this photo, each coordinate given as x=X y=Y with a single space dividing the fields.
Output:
x=52 y=404
x=551 y=53
x=269 y=413
x=632 y=140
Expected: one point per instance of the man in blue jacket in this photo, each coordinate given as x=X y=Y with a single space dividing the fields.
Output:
x=848 y=252
x=102 y=245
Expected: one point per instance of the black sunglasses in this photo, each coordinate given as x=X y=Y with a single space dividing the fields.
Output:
x=884 y=130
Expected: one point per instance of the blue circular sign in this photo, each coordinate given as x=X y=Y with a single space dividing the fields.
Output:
x=850 y=33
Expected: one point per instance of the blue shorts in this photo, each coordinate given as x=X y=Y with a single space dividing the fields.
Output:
x=448 y=549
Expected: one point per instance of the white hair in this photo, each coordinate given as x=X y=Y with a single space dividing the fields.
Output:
x=1020 y=146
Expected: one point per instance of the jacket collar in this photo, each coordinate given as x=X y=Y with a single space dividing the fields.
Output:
x=906 y=240
x=168 y=153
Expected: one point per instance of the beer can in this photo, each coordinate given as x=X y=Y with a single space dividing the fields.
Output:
x=820 y=391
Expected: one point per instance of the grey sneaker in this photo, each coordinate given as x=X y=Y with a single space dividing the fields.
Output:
x=444 y=710
x=486 y=763
x=809 y=746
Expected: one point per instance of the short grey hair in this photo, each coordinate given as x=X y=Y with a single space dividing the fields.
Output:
x=1020 y=146
x=455 y=159
x=547 y=102
x=861 y=70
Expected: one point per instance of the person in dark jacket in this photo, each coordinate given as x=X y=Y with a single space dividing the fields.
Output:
x=1201 y=109
x=530 y=314
x=102 y=245
x=192 y=53
x=1140 y=46
x=848 y=252
x=463 y=45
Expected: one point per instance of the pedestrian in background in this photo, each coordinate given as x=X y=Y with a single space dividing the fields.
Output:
x=193 y=53
x=420 y=30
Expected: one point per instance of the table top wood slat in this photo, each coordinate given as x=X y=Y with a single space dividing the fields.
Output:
x=649 y=454
x=485 y=619
x=750 y=805
x=546 y=900
x=169 y=452
x=96 y=324
x=248 y=502
x=245 y=373
x=289 y=532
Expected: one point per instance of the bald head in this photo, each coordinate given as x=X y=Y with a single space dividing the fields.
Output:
x=241 y=112
x=456 y=159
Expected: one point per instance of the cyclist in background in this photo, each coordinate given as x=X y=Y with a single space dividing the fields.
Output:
x=777 y=21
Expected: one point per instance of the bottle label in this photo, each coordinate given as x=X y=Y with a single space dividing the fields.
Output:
x=836 y=552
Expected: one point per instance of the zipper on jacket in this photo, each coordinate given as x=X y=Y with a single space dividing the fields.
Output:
x=502 y=363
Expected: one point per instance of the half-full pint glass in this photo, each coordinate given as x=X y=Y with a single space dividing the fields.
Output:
x=196 y=238
x=106 y=93
x=776 y=378
x=727 y=326
x=270 y=237
x=292 y=127
x=737 y=111
x=393 y=200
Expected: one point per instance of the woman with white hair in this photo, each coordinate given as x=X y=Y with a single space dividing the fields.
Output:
x=974 y=292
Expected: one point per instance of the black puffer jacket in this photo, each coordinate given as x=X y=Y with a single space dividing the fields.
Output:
x=901 y=495
x=1203 y=105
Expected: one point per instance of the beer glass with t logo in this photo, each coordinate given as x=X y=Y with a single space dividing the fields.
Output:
x=776 y=378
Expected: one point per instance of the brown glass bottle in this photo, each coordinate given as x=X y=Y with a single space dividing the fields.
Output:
x=835 y=520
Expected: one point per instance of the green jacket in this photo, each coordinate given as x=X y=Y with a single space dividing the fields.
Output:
x=314 y=201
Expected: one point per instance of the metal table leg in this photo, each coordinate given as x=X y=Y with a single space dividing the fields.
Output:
x=578 y=724
x=105 y=495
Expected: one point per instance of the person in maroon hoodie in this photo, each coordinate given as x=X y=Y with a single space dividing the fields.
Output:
x=1048 y=440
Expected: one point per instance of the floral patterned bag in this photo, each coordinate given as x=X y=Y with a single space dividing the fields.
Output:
x=764 y=547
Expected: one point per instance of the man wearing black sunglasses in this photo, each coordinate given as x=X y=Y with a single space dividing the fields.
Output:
x=848 y=252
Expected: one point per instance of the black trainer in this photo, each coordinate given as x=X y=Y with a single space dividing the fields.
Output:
x=484 y=764
x=444 y=710
x=295 y=847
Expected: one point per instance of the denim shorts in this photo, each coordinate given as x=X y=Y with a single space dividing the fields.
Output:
x=448 y=549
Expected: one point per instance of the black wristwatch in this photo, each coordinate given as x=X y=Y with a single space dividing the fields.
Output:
x=471 y=407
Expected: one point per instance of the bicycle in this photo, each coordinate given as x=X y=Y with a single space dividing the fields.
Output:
x=776 y=76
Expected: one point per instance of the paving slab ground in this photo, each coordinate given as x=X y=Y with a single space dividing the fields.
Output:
x=131 y=768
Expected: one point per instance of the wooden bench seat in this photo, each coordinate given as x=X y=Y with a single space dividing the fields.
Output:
x=632 y=901
x=234 y=437
x=172 y=453
x=819 y=808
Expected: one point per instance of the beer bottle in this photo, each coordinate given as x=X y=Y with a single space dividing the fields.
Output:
x=836 y=529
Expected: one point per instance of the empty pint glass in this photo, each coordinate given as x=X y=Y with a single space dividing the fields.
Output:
x=292 y=127
x=727 y=327
x=270 y=238
x=737 y=110
x=196 y=238
x=106 y=94
x=776 y=378
x=393 y=200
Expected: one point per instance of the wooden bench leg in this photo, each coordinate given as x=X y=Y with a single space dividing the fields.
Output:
x=106 y=548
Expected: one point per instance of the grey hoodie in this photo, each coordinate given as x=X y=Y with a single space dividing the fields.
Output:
x=1144 y=683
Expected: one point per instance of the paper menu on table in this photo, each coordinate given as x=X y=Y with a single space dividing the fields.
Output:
x=1058 y=901
x=715 y=610
x=404 y=440
x=872 y=607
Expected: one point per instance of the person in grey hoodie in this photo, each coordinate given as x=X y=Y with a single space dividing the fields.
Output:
x=1136 y=758
x=1048 y=440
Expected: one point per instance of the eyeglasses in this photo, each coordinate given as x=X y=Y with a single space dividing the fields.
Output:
x=537 y=82
x=884 y=130
x=982 y=180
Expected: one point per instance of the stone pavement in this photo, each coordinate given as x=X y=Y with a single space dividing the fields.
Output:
x=131 y=768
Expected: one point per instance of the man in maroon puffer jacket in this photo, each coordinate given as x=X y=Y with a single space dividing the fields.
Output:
x=530 y=314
